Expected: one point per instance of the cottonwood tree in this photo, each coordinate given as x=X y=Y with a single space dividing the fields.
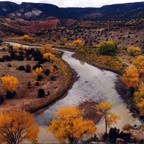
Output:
x=70 y=125
x=17 y=126
x=138 y=62
x=110 y=118
x=130 y=77
x=10 y=83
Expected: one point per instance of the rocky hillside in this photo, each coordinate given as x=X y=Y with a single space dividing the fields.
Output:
x=43 y=11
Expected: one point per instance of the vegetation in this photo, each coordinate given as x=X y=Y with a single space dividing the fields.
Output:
x=70 y=125
x=78 y=43
x=134 y=51
x=130 y=77
x=107 y=48
x=9 y=82
x=28 y=38
x=104 y=108
x=17 y=126
x=139 y=63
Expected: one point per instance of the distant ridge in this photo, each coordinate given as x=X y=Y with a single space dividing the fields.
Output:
x=37 y=11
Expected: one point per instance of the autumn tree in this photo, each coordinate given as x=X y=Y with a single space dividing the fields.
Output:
x=130 y=77
x=139 y=99
x=10 y=83
x=48 y=56
x=17 y=126
x=78 y=42
x=107 y=48
x=139 y=63
x=134 y=51
x=28 y=38
x=37 y=71
x=47 y=48
x=70 y=125
x=110 y=118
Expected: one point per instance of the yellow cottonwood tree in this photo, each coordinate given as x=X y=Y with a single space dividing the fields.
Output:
x=130 y=77
x=134 y=51
x=37 y=71
x=70 y=125
x=139 y=64
x=48 y=56
x=110 y=118
x=9 y=82
x=78 y=42
x=17 y=126
x=139 y=99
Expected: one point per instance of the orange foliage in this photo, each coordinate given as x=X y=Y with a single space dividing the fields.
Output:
x=17 y=126
x=70 y=125
x=28 y=38
x=78 y=42
x=139 y=63
x=130 y=77
x=139 y=99
x=9 y=82
x=37 y=71
x=104 y=108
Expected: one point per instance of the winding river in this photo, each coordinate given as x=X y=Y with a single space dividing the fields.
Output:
x=93 y=84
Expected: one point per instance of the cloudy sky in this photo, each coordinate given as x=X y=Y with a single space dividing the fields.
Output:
x=78 y=3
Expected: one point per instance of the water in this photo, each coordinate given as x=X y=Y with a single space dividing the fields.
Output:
x=93 y=85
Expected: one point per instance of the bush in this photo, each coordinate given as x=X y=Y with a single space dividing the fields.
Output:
x=47 y=72
x=1 y=99
x=134 y=51
x=21 y=68
x=107 y=48
x=53 y=78
x=28 y=38
x=10 y=95
x=41 y=93
x=28 y=68
x=39 y=77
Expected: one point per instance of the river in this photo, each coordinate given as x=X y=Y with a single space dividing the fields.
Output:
x=93 y=84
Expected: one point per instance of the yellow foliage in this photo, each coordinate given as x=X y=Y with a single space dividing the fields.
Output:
x=17 y=126
x=47 y=48
x=130 y=77
x=103 y=107
x=111 y=118
x=37 y=71
x=107 y=48
x=48 y=56
x=78 y=42
x=139 y=99
x=28 y=38
x=139 y=63
x=134 y=51
x=9 y=82
x=70 y=124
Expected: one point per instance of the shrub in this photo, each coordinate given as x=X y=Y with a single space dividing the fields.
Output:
x=21 y=68
x=41 y=93
x=78 y=42
x=47 y=72
x=1 y=99
x=107 y=48
x=28 y=38
x=53 y=78
x=134 y=51
x=139 y=63
x=28 y=68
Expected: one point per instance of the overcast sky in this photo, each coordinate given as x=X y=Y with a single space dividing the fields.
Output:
x=78 y=3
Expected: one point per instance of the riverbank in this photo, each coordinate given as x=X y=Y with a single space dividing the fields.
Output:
x=26 y=98
x=120 y=87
